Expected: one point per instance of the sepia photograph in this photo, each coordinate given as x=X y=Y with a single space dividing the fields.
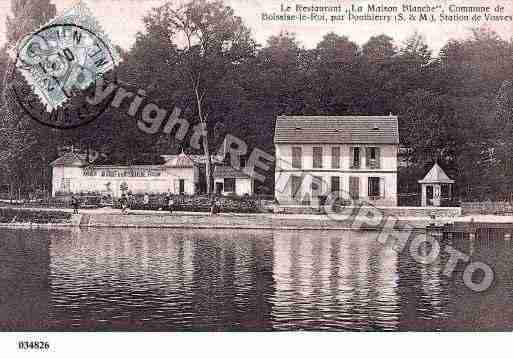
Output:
x=267 y=167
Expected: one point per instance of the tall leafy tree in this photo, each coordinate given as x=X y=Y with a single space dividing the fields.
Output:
x=378 y=59
x=279 y=75
x=4 y=60
x=336 y=75
x=504 y=133
x=211 y=41
x=379 y=49
x=20 y=136
x=415 y=50
x=411 y=67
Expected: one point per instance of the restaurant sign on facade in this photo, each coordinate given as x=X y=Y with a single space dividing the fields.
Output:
x=121 y=172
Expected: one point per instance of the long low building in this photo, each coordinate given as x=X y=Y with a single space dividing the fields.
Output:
x=179 y=174
x=72 y=173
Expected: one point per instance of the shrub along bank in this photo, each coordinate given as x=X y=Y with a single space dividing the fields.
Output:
x=8 y=215
x=157 y=201
x=197 y=203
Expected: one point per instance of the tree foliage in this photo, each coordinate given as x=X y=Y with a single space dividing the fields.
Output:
x=454 y=106
x=207 y=42
x=26 y=145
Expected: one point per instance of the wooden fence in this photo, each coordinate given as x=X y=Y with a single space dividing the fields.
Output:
x=487 y=207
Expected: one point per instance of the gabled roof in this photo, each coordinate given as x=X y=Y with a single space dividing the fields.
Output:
x=336 y=129
x=70 y=160
x=179 y=161
x=186 y=159
x=203 y=159
x=436 y=175
x=221 y=171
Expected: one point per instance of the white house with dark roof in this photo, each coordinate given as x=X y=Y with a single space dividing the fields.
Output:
x=354 y=156
x=72 y=173
x=229 y=180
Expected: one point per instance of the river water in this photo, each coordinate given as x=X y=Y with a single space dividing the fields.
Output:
x=175 y=280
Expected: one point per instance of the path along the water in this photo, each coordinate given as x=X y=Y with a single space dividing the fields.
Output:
x=108 y=217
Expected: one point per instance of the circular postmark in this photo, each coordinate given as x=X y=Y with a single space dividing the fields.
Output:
x=60 y=68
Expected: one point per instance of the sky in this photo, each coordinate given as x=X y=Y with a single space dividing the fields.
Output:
x=122 y=19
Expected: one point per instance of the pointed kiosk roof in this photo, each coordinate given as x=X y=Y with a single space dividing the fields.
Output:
x=436 y=175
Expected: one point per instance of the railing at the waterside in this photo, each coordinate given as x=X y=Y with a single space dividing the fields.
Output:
x=482 y=231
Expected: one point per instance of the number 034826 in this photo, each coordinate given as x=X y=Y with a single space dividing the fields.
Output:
x=36 y=345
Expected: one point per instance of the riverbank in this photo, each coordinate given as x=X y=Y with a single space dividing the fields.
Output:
x=112 y=218
x=12 y=215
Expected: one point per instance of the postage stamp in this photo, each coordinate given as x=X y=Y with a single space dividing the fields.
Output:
x=65 y=56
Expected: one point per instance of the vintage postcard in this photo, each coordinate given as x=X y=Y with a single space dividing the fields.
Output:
x=255 y=166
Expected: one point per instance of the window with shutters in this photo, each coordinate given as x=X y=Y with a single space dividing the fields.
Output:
x=355 y=157
x=373 y=190
x=296 y=157
x=335 y=157
x=317 y=157
x=372 y=155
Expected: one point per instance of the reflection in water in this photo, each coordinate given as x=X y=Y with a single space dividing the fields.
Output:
x=239 y=280
x=24 y=279
x=160 y=280
x=333 y=280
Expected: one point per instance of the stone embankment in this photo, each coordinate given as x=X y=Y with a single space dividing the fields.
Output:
x=364 y=218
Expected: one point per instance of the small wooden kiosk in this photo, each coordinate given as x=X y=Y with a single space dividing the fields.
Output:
x=436 y=185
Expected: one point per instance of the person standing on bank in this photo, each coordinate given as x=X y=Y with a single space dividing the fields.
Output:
x=214 y=206
x=75 y=203
x=123 y=201
x=146 y=201
x=130 y=200
x=218 y=205
x=171 y=204
x=169 y=201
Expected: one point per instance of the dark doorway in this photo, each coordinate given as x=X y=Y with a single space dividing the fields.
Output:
x=335 y=184
x=429 y=195
x=219 y=188
x=373 y=190
x=354 y=188
x=295 y=188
